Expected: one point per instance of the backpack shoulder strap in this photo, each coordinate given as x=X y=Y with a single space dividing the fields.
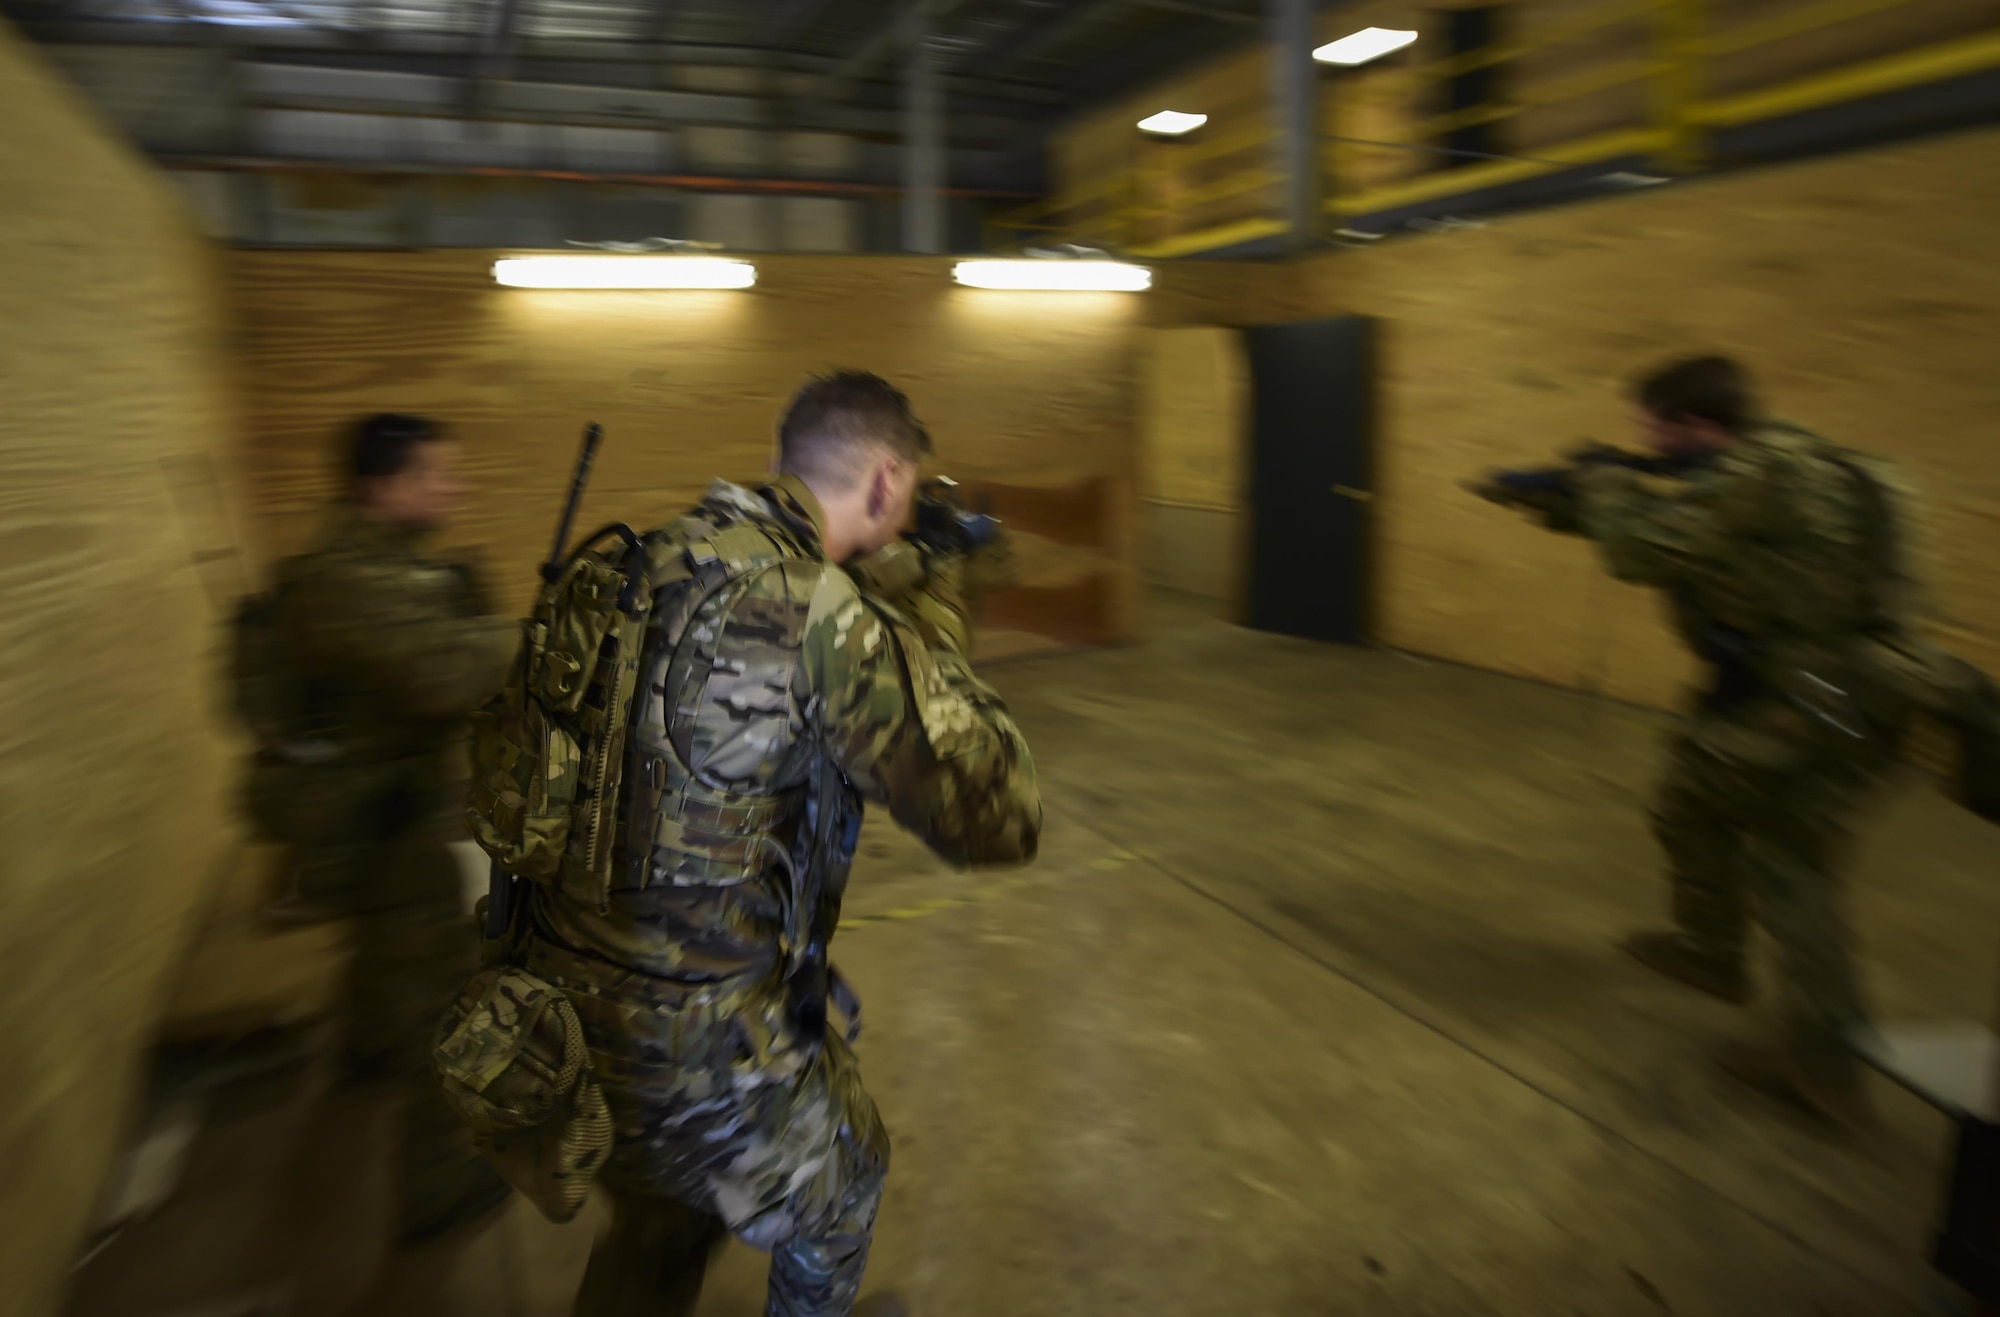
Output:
x=738 y=548
x=691 y=563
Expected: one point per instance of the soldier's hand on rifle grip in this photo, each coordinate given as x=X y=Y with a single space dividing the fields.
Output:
x=938 y=607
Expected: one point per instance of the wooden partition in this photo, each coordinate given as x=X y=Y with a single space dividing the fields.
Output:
x=118 y=539
x=1194 y=416
x=1030 y=398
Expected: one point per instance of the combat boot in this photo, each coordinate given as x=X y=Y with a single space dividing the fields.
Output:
x=1671 y=954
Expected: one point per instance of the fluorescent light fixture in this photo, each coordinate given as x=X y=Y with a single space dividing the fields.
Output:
x=1360 y=47
x=623 y=272
x=1171 y=123
x=1052 y=276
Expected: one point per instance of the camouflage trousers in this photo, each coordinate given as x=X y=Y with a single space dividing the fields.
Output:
x=413 y=946
x=726 y=1123
x=1755 y=816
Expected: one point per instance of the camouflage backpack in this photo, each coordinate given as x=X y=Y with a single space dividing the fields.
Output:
x=1949 y=692
x=549 y=753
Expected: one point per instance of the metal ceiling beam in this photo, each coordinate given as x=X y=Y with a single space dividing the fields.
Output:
x=913 y=18
x=794 y=17
x=1032 y=41
x=116 y=32
x=1214 y=13
x=924 y=165
x=653 y=29
x=1171 y=51
x=1029 y=39
x=432 y=49
x=868 y=125
x=678 y=182
x=496 y=55
x=659 y=20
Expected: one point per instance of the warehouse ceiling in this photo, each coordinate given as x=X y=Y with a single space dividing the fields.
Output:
x=1038 y=61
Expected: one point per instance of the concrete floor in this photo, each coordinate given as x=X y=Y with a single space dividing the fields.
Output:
x=1311 y=1006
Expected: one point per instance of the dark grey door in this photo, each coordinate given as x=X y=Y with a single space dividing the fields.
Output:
x=1312 y=432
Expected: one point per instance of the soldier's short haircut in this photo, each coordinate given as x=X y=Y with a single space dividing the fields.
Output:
x=838 y=422
x=383 y=444
x=1711 y=388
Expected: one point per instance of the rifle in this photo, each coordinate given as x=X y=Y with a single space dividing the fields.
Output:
x=504 y=889
x=1550 y=490
x=944 y=529
x=943 y=523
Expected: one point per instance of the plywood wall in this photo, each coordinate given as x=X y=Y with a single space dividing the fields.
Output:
x=117 y=557
x=1861 y=290
x=1194 y=400
x=1030 y=397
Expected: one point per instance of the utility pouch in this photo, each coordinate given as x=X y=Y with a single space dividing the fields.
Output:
x=511 y=1058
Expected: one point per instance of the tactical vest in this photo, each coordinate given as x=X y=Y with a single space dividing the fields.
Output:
x=581 y=780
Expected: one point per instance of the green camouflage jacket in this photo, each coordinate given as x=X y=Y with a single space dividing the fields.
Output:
x=1788 y=566
x=1782 y=537
x=397 y=646
x=790 y=663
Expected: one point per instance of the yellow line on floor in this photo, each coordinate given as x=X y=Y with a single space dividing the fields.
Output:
x=992 y=891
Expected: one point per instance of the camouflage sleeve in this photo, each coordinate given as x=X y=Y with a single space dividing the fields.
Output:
x=912 y=728
x=1677 y=533
x=937 y=611
x=937 y=593
x=405 y=635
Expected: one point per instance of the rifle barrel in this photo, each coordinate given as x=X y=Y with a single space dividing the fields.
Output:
x=592 y=433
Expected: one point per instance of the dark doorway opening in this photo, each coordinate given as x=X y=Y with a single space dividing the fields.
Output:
x=1312 y=466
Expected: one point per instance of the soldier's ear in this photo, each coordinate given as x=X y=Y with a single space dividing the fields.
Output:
x=881 y=487
x=885 y=482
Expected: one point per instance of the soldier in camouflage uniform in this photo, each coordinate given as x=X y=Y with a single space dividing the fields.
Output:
x=778 y=694
x=1785 y=571
x=397 y=648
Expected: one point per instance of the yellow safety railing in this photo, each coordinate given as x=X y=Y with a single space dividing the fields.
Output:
x=1140 y=195
x=1184 y=197
x=1663 y=27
